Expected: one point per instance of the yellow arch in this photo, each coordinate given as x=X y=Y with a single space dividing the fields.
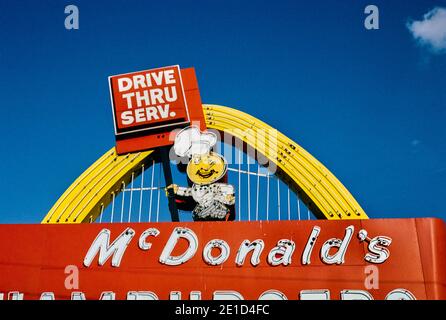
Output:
x=325 y=195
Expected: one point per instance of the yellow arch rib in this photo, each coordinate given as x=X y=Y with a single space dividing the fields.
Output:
x=322 y=192
x=318 y=187
x=84 y=200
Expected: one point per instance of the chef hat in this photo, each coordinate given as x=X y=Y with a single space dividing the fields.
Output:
x=191 y=140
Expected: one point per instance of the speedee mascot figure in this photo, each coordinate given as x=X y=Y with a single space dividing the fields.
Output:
x=212 y=199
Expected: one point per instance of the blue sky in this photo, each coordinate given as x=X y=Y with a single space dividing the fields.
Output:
x=369 y=104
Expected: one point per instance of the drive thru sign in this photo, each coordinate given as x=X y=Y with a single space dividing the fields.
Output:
x=147 y=105
x=148 y=100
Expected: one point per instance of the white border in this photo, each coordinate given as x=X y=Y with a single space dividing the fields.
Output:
x=151 y=128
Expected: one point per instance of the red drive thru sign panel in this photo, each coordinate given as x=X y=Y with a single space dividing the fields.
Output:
x=147 y=105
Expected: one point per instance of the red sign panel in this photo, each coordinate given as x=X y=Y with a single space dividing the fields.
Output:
x=148 y=100
x=148 y=105
x=370 y=259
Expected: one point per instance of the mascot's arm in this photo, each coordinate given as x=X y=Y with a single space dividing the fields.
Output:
x=183 y=197
x=184 y=192
x=227 y=194
x=179 y=191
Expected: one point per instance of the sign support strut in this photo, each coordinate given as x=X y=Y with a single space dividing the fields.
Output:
x=164 y=151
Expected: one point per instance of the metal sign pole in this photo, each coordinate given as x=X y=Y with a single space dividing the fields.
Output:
x=169 y=180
